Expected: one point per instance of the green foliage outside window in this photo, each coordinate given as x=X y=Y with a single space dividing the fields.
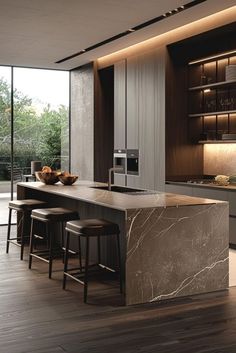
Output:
x=37 y=135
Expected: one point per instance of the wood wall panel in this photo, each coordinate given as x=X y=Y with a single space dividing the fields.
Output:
x=145 y=118
x=133 y=96
x=120 y=105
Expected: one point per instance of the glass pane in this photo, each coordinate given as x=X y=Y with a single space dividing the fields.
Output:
x=41 y=119
x=5 y=142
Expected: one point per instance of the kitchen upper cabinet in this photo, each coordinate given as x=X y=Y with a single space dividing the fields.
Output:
x=120 y=105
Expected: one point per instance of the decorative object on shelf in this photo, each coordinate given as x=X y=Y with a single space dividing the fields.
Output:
x=203 y=80
x=222 y=180
x=232 y=179
x=230 y=72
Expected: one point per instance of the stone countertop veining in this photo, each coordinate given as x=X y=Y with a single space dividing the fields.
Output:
x=82 y=190
x=230 y=187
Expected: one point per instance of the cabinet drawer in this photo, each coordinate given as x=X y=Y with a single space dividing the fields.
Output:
x=232 y=230
x=213 y=194
x=179 y=189
x=232 y=203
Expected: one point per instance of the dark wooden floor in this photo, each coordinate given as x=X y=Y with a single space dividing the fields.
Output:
x=37 y=316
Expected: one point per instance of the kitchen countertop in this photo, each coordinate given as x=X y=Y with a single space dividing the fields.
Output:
x=82 y=190
x=230 y=187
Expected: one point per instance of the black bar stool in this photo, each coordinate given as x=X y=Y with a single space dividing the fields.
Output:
x=24 y=208
x=89 y=228
x=51 y=217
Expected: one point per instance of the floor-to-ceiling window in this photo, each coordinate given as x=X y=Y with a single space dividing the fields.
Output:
x=5 y=139
x=34 y=125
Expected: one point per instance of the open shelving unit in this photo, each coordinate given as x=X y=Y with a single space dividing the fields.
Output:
x=212 y=99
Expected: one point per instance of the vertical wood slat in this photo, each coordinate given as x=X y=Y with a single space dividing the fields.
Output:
x=146 y=116
x=120 y=105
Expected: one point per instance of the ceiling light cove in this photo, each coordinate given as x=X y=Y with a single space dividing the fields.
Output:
x=134 y=29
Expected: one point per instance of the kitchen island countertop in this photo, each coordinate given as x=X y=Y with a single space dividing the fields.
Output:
x=85 y=191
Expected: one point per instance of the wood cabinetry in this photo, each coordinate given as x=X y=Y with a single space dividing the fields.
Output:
x=120 y=105
x=141 y=98
x=212 y=98
x=133 y=96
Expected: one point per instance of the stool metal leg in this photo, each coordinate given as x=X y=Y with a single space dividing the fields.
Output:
x=8 y=230
x=99 y=249
x=22 y=237
x=50 y=236
x=86 y=270
x=62 y=241
x=80 y=253
x=66 y=258
x=31 y=242
x=119 y=261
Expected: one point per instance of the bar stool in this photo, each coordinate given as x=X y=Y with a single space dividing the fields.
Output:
x=51 y=217
x=23 y=207
x=89 y=228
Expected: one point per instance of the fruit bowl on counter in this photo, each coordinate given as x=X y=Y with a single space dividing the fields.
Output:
x=47 y=176
x=67 y=179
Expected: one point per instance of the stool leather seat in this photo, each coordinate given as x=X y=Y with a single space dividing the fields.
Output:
x=51 y=217
x=92 y=227
x=24 y=208
x=27 y=204
x=56 y=214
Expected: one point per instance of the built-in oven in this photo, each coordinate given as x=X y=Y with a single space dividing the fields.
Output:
x=133 y=162
x=119 y=161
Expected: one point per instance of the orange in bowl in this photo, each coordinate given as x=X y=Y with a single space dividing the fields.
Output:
x=48 y=178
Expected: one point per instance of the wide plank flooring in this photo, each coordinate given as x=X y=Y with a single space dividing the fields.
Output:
x=37 y=316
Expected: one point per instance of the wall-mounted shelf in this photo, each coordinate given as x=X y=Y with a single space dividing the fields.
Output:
x=213 y=85
x=222 y=112
x=212 y=100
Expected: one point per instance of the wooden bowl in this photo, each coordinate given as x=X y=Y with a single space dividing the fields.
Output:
x=48 y=178
x=68 y=179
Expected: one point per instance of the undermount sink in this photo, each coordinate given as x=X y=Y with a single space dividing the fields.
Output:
x=117 y=188
x=125 y=190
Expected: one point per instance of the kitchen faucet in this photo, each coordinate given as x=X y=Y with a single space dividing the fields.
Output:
x=114 y=169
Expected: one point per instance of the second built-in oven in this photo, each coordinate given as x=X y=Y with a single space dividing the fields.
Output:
x=133 y=162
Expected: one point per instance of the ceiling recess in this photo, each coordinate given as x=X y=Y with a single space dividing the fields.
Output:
x=134 y=29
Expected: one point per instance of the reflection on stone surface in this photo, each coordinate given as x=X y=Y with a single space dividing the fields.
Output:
x=176 y=251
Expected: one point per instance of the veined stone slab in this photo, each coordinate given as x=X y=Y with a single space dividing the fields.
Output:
x=176 y=251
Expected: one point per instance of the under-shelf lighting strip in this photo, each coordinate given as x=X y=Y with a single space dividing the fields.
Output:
x=134 y=29
x=231 y=52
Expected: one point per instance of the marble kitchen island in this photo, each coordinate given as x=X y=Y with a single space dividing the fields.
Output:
x=172 y=245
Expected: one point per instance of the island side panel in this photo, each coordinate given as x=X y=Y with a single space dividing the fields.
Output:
x=176 y=251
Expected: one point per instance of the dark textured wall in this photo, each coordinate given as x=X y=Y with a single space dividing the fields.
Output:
x=82 y=122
